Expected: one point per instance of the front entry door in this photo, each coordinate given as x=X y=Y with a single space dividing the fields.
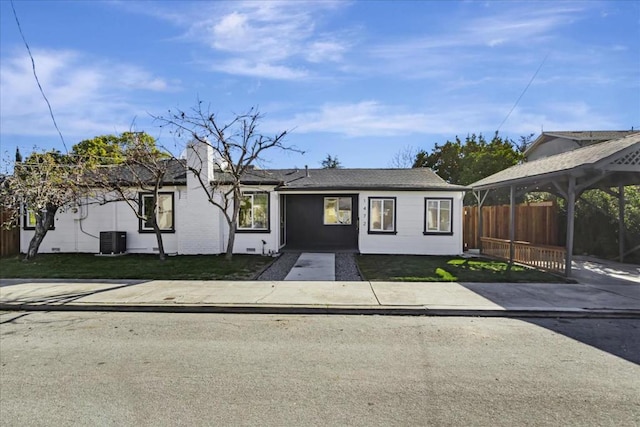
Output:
x=321 y=222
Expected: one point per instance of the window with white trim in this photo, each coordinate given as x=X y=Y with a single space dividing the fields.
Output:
x=337 y=211
x=382 y=215
x=164 y=217
x=254 y=212
x=438 y=216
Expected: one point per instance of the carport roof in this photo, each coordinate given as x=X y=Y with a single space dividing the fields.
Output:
x=610 y=163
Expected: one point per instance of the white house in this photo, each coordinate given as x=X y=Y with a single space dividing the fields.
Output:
x=373 y=211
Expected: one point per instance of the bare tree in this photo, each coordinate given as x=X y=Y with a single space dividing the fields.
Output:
x=404 y=158
x=44 y=184
x=237 y=145
x=142 y=169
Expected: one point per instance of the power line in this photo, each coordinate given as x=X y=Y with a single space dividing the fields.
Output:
x=525 y=89
x=33 y=66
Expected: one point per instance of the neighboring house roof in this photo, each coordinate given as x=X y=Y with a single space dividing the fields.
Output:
x=348 y=179
x=581 y=138
x=622 y=151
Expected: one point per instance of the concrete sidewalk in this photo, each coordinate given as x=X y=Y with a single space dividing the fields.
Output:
x=446 y=299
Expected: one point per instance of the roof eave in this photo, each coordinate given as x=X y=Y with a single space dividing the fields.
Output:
x=519 y=180
x=372 y=188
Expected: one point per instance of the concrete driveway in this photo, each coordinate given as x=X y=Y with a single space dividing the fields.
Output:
x=596 y=271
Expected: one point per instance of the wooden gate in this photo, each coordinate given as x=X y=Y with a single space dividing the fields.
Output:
x=9 y=238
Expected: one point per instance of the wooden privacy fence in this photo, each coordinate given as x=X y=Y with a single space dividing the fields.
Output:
x=9 y=239
x=550 y=258
x=536 y=223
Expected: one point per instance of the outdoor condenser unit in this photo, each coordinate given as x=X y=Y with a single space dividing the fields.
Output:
x=113 y=242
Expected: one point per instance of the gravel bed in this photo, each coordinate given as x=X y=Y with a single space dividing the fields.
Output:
x=347 y=268
x=280 y=267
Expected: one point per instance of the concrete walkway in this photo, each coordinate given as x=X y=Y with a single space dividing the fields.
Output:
x=313 y=267
x=325 y=297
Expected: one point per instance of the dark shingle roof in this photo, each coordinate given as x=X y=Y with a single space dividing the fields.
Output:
x=581 y=157
x=176 y=173
x=349 y=179
x=317 y=179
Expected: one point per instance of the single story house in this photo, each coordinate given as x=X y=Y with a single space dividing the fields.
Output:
x=371 y=211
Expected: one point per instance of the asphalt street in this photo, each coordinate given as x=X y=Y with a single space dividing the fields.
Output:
x=72 y=368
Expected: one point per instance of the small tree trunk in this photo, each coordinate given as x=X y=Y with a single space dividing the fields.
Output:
x=161 y=254
x=233 y=224
x=44 y=221
x=34 y=244
x=232 y=239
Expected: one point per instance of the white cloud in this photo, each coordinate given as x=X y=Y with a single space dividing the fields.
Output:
x=245 y=67
x=374 y=119
x=322 y=51
x=514 y=30
x=88 y=95
x=269 y=39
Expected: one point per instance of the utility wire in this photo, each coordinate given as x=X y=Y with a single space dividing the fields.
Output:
x=525 y=90
x=33 y=66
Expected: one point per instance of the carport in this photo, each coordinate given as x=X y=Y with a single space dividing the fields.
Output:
x=608 y=166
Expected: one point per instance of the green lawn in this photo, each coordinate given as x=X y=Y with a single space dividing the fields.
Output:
x=87 y=266
x=409 y=268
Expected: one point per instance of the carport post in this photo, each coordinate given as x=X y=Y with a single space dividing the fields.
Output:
x=479 y=224
x=621 y=221
x=480 y=198
x=512 y=223
x=571 y=204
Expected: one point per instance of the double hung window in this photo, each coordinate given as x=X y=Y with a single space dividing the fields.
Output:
x=438 y=214
x=382 y=215
x=164 y=216
x=254 y=212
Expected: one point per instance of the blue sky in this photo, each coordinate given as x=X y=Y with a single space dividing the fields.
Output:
x=360 y=80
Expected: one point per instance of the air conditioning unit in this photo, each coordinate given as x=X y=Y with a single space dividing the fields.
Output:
x=113 y=242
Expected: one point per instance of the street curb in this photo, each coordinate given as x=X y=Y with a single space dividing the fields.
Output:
x=330 y=310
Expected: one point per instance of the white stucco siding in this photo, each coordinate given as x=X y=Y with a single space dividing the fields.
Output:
x=78 y=229
x=410 y=218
